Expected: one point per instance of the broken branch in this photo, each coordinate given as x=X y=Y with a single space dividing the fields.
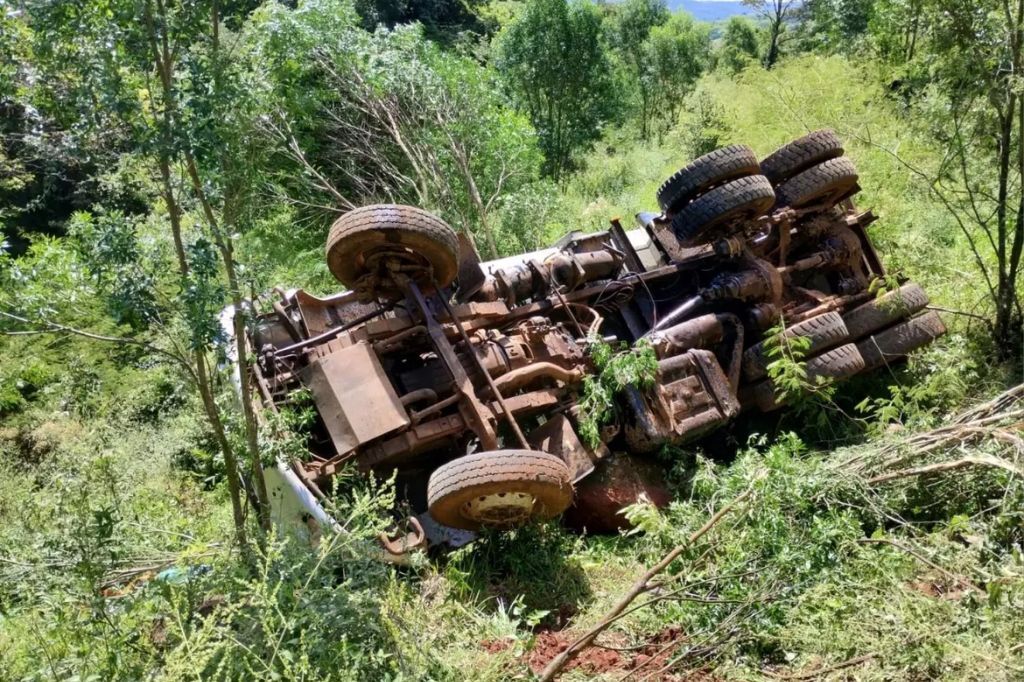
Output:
x=939 y=467
x=553 y=668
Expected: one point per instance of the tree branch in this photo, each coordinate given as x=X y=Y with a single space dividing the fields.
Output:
x=47 y=327
x=552 y=670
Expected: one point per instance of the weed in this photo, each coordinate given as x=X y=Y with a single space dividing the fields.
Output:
x=617 y=370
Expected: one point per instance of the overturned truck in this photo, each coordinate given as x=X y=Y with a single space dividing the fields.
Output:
x=463 y=378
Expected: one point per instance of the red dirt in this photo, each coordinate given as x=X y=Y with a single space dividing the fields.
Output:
x=618 y=482
x=591 y=660
x=645 y=660
x=656 y=654
x=495 y=646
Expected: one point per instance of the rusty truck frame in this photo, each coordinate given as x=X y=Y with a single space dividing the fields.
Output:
x=463 y=378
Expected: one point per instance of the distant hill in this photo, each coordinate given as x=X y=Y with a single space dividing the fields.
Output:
x=710 y=10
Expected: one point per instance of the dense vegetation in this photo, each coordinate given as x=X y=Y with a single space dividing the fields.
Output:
x=159 y=161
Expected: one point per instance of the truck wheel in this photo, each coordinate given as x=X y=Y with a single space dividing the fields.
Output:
x=363 y=242
x=824 y=331
x=801 y=154
x=897 y=342
x=706 y=172
x=827 y=183
x=839 y=363
x=718 y=212
x=885 y=310
x=499 y=489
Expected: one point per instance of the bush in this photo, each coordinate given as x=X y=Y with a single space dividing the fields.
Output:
x=706 y=127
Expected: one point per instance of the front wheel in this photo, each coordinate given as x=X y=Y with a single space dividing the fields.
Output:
x=367 y=246
x=499 y=489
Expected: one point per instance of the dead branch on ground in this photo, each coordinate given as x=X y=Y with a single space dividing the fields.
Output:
x=552 y=670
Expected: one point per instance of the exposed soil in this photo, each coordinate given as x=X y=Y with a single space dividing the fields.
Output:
x=646 y=660
x=592 y=659
x=495 y=646
x=617 y=483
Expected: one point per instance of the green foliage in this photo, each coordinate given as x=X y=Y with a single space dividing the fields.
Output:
x=536 y=569
x=556 y=68
x=786 y=368
x=675 y=54
x=629 y=25
x=287 y=432
x=739 y=46
x=106 y=466
x=444 y=20
x=707 y=127
x=203 y=296
x=628 y=368
x=407 y=121
x=528 y=217
x=811 y=399
x=631 y=22
x=961 y=95
x=835 y=25
x=109 y=246
x=660 y=56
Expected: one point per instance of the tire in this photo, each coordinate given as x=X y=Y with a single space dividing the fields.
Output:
x=897 y=342
x=839 y=363
x=824 y=331
x=409 y=233
x=706 y=172
x=827 y=183
x=716 y=213
x=801 y=154
x=469 y=480
x=885 y=310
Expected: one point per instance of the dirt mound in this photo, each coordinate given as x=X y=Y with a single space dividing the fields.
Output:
x=591 y=660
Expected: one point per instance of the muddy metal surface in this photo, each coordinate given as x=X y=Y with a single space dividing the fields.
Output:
x=464 y=377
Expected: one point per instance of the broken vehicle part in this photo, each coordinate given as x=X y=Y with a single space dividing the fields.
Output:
x=463 y=377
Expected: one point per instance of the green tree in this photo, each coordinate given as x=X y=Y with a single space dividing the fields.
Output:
x=557 y=70
x=833 y=25
x=399 y=118
x=776 y=14
x=739 y=45
x=630 y=25
x=962 y=64
x=443 y=20
x=676 y=54
x=895 y=26
x=152 y=86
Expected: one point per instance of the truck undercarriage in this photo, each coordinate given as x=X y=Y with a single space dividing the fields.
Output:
x=464 y=378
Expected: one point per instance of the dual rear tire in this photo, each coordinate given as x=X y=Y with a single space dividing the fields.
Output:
x=715 y=195
x=719 y=193
x=811 y=171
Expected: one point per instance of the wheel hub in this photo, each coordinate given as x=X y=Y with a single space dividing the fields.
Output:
x=500 y=510
x=383 y=264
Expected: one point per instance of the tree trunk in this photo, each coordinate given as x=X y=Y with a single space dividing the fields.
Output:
x=223 y=242
x=774 y=29
x=203 y=383
x=163 y=62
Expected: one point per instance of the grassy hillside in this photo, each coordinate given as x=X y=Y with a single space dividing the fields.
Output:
x=819 y=568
